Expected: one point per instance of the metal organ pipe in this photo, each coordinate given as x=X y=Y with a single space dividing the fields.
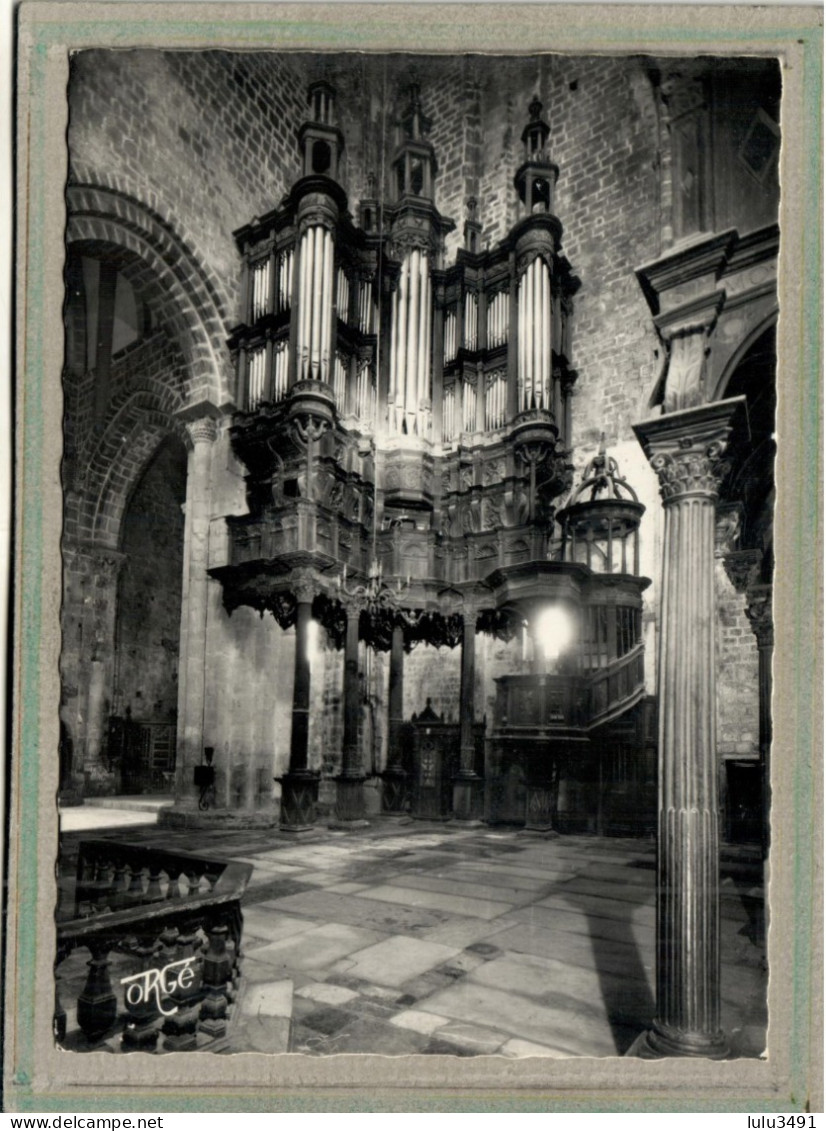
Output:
x=428 y=333
x=304 y=304
x=546 y=334
x=318 y=289
x=327 y=351
x=401 y=346
x=424 y=338
x=391 y=391
x=412 y=383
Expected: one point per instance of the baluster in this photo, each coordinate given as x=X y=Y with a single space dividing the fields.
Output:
x=141 y=1030
x=104 y=885
x=180 y=1029
x=194 y=881
x=217 y=970
x=97 y=1006
x=173 y=887
x=153 y=890
x=135 y=892
x=85 y=873
x=120 y=884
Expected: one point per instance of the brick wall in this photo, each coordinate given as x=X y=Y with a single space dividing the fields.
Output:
x=206 y=139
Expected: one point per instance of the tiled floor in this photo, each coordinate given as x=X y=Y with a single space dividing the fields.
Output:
x=424 y=938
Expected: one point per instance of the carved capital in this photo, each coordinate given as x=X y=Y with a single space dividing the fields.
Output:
x=742 y=568
x=695 y=472
x=686 y=448
x=304 y=586
x=759 y=612
x=203 y=431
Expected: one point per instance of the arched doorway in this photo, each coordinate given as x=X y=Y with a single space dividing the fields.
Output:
x=145 y=693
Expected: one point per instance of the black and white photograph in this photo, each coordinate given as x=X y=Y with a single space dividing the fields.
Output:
x=417 y=473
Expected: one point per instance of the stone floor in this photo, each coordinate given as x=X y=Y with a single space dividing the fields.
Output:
x=416 y=937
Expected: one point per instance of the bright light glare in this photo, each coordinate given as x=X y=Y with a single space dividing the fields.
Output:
x=553 y=630
x=312 y=639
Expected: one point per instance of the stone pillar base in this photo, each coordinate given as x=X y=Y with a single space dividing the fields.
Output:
x=656 y=1043
x=350 y=807
x=395 y=792
x=468 y=797
x=540 y=809
x=299 y=794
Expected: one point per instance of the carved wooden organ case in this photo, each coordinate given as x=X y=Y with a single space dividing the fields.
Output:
x=401 y=418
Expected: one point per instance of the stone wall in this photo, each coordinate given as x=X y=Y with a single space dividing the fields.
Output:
x=206 y=139
x=149 y=591
x=737 y=689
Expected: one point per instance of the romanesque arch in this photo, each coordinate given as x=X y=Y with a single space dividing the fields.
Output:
x=196 y=308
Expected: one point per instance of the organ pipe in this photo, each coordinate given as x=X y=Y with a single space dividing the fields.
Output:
x=327 y=307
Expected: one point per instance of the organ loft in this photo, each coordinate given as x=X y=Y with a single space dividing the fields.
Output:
x=404 y=427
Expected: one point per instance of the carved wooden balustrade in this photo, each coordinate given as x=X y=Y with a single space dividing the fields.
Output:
x=558 y=705
x=163 y=934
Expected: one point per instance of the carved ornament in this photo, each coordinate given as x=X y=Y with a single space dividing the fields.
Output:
x=691 y=472
x=203 y=431
x=742 y=568
x=759 y=612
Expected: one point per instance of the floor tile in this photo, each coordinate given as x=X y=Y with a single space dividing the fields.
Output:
x=418 y=1021
x=270 y=999
x=456 y=905
x=396 y=960
x=517 y=1047
x=327 y=993
x=314 y=949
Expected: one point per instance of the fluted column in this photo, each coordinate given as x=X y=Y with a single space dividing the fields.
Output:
x=394 y=797
x=350 y=783
x=685 y=449
x=192 y=668
x=299 y=786
x=759 y=612
x=467 y=785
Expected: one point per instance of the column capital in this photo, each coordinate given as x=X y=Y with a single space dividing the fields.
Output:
x=202 y=431
x=759 y=612
x=742 y=568
x=686 y=448
x=304 y=585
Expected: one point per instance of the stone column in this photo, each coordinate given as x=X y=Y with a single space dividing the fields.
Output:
x=103 y=566
x=192 y=666
x=299 y=786
x=467 y=785
x=685 y=449
x=394 y=794
x=350 y=783
x=759 y=612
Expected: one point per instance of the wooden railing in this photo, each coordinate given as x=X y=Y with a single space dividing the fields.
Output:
x=617 y=687
x=559 y=704
x=163 y=935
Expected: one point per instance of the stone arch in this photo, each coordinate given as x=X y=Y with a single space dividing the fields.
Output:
x=729 y=364
x=739 y=326
x=195 y=304
x=139 y=424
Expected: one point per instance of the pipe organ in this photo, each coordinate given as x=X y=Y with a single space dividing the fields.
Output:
x=442 y=387
x=405 y=425
x=455 y=352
